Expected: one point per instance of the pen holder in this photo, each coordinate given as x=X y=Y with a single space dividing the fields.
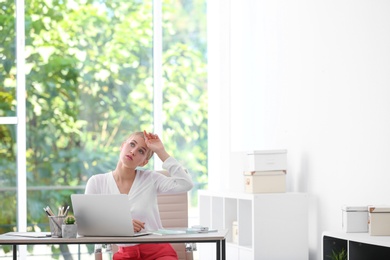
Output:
x=55 y=225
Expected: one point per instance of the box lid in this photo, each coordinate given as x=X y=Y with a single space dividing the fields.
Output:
x=266 y=152
x=354 y=208
x=264 y=173
x=379 y=209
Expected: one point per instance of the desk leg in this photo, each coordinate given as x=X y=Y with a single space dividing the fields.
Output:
x=221 y=249
x=14 y=252
x=218 y=249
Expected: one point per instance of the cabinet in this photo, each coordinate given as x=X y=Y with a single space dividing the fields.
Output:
x=359 y=246
x=270 y=226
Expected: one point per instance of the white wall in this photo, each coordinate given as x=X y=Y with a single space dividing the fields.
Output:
x=312 y=77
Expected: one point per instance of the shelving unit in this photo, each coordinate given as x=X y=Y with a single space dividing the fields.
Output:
x=270 y=226
x=359 y=246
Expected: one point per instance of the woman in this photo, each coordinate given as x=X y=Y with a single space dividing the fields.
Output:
x=142 y=187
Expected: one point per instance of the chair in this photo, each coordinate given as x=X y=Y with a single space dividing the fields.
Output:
x=173 y=210
x=174 y=213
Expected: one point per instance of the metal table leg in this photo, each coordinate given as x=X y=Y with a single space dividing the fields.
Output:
x=223 y=249
x=14 y=252
x=218 y=244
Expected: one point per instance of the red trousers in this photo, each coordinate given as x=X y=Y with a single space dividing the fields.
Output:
x=146 y=252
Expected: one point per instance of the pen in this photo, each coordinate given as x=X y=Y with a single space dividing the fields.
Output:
x=49 y=210
x=66 y=211
x=46 y=212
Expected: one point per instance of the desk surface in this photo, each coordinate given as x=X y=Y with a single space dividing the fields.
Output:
x=199 y=237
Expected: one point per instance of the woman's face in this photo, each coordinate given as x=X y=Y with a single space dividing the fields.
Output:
x=134 y=152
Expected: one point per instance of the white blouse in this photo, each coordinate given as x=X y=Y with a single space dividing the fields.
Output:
x=143 y=193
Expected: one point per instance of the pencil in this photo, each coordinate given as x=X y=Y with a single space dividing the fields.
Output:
x=50 y=211
x=46 y=212
x=66 y=211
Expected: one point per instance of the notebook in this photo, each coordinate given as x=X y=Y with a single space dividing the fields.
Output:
x=29 y=234
x=103 y=215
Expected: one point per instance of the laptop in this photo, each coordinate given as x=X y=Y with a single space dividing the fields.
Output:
x=103 y=215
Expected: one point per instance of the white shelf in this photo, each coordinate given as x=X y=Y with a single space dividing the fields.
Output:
x=360 y=237
x=270 y=226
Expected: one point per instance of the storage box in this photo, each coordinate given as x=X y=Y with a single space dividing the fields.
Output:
x=379 y=220
x=355 y=219
x=265 y=181
x=271 y=160
x=235 y=232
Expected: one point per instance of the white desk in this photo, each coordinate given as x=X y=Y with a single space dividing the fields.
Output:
x=213 y=237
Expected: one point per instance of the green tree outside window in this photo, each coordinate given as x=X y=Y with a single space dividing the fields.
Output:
x=89 y=83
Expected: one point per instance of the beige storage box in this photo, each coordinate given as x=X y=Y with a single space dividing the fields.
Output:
x=379 y=220
x=355 y=219
x=235 y=232
x=265 y=181
x=271 y=160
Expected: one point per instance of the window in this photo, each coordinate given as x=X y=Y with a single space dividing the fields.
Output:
x=90 y=81
x=185 y=86
x=8 y=177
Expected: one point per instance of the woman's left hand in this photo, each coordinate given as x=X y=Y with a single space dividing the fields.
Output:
x=154 y=143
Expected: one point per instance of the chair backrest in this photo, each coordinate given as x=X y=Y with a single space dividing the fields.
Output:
x=174 y=213
x=173 y=210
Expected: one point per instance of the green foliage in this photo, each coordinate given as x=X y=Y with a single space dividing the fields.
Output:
x=89 y=83
x=340 y=255
x=70 y=220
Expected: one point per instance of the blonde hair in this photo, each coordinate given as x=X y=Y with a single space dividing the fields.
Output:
x=149 y=152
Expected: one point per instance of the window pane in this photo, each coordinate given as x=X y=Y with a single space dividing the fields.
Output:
x=7 y=183
x=185 y=86
x=7 y=58
x=89 y=86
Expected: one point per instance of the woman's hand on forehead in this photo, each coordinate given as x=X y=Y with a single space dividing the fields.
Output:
x=154 y=143
x=150 y=136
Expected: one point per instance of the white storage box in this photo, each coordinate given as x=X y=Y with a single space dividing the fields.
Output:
x=355 y=219
x=271 y=160
x=235 y=232
x=265 y=181
x=379 y=220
